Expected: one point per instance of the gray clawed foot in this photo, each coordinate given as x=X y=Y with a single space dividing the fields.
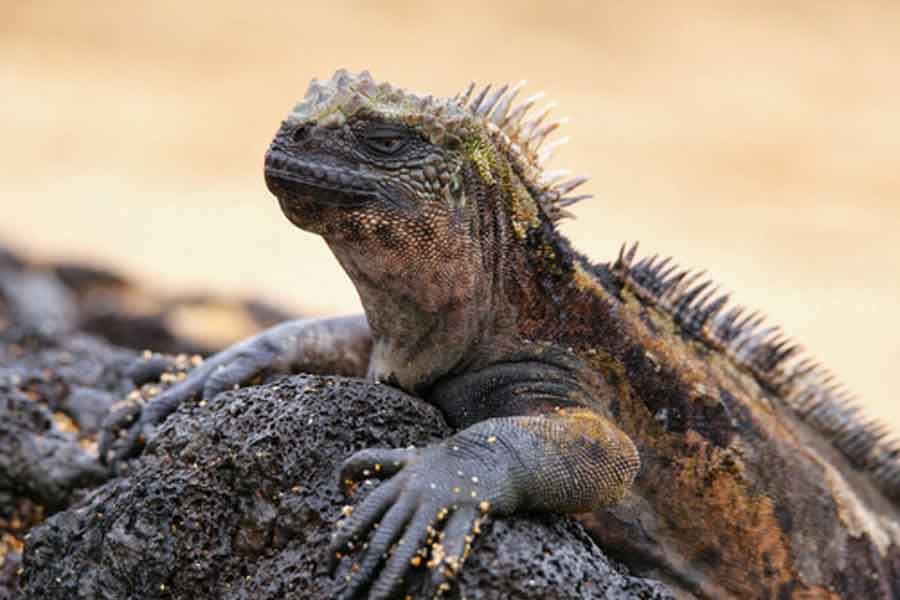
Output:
x=375 y=463
x=128 y=428
x=120 y=435
x=338 y=345
x=426 y=515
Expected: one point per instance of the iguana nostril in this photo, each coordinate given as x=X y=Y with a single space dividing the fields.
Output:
x=300 y=133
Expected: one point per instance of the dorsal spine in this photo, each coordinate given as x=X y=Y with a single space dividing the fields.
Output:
x=776 y=362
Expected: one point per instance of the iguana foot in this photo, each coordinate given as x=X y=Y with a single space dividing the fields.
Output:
x=129 y=426
x=427 y=514
x=338 y=345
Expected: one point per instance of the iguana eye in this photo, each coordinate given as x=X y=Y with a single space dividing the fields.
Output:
x=385 y=140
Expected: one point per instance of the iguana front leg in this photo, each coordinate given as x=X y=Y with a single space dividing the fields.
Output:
x=568 y=461
x=338 y=346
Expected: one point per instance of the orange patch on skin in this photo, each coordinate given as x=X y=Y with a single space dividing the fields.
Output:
x=701 y=491
x=742 y=527
x=703 y=496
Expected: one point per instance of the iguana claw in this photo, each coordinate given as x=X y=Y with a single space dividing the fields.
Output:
x=127 y=429
x=426 y=514
x=335 y=345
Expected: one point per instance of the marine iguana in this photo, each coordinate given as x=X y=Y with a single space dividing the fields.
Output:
x=697 y=444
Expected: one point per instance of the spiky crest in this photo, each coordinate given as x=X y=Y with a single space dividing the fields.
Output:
x=776 y=362
x=524 y=139
x=329 y=103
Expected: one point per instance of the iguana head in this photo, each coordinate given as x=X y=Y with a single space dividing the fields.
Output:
x=419 y=198
x=353 y=143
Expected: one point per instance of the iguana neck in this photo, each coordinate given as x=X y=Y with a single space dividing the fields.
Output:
x=477 y=309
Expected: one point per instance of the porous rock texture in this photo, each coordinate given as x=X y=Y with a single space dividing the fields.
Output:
x=54 y=391
x=237 y=499
x=234 y=499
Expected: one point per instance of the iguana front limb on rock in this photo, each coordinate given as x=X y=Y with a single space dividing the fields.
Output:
x=695 y=445
x=339 y=345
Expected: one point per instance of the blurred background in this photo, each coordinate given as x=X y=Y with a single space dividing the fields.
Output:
x=760 y=141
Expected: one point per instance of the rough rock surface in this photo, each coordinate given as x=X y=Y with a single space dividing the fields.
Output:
x=232 y=500
x=237 y=499
x=54 y=391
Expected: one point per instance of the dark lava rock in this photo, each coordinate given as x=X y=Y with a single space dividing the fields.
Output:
x=54 y=390
x=53 y=394
x=237 y=499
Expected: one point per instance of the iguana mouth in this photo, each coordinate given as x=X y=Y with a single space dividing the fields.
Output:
x=316 y=182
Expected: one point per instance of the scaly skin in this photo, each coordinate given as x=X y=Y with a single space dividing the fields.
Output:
x=576 y=388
